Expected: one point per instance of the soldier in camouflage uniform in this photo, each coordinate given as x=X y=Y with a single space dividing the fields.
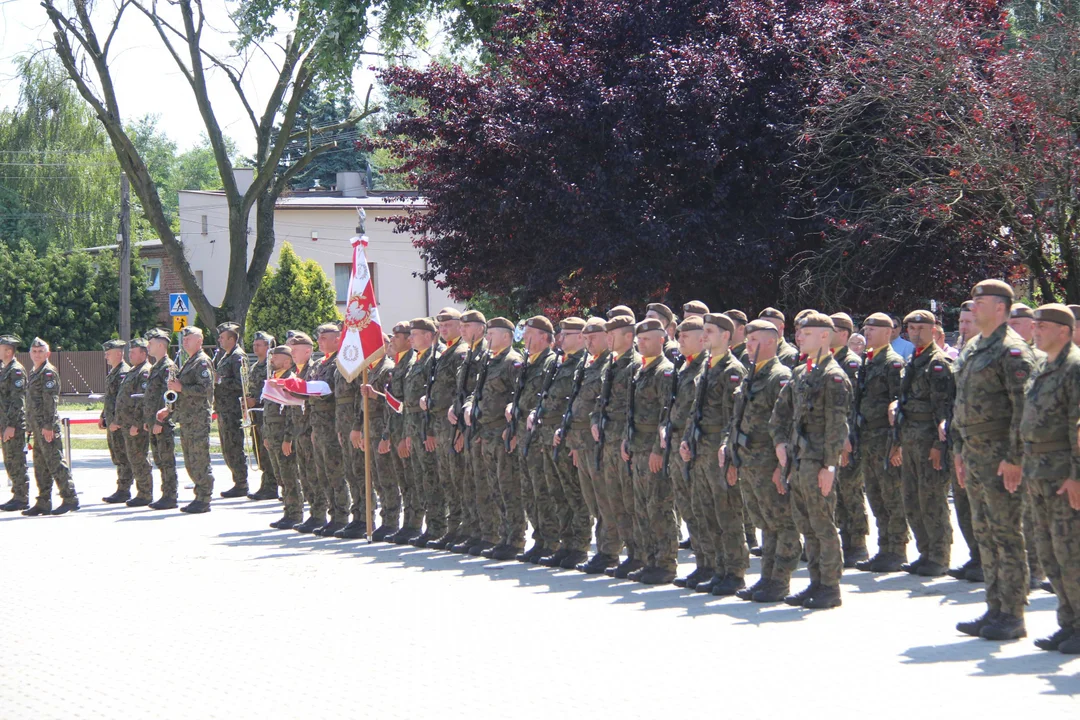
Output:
x=268 y=484
x=850 y=492
x=13 y=423
x=114 y=434
x=573 y=518
x=971 y=570
x=1050 y=464
x=450 y=463
x=661 y=312
x=129 y=416
x=537 y=494
x=276 y=441
x=611 y=413
x=758 y=472
x=229 y=365
x=162 y=433
x=349 y=424
x=994 y=374
x=812 y=412
x=788 y=353
x=298 y=436
x=926 y=397
x=471 y=529
x=654 y=498
x=412 y=509
x=878 y=461
x=329 y=463
x=42 y=392
x=717 y=498
x=194 y=388
x=499 y=496
x=580 y=445
x=389 y=468
x=420 y=442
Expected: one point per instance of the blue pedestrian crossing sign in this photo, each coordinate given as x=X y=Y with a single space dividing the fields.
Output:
x=178 y=304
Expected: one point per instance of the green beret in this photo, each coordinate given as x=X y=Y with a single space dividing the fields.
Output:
x=695 y=307
x=401 y=328
x=1020 y=310
x=737 y=316
x=693 y=322
x=473 y=316
x=572 y=323
x=1056 y=313
x=878 y=320
x=771 y=312
x=540 y=323
x=920 y=316
x=663 y=311
x=842 y=321
x=619 y=310
x=327 y=327
x=595 y=324
x=966 y=306
x=760 y=326
x=815 y=319
x=722 y=321
x=649 y=325
x=995 y=288
x=448 y=313
x=422 y=323
x=619 y=321
x=281 y=350
x=298 y=337
x=113 y=345
x=501 y=323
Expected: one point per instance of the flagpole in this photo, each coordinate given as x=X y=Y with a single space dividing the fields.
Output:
x=368 y=448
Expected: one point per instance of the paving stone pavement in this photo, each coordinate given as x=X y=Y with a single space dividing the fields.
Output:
x=129 y=613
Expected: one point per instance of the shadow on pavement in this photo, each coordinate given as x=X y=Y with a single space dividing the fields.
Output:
x=1044 y=665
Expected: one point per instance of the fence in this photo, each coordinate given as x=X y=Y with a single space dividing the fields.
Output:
x=82 y=372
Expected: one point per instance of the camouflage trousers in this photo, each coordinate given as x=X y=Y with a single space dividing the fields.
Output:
x=50 y=467
x=118 y=453
x=539 y=488
x=451 y=469
x=720 y=539
x=163 y=448
x=425 y=478
x=287 y=473
x=481 y=519
x=885 y=491
x=814 y=517
x=330 y=468
x=1057 y=535
x=1035 y=566
x=995 y=517
x=15 y=464
x=137 y=449
x=962 y=509
x=195 y=444
x=681 y=486
x=619 y=486
x=412 y=511
x=926 y=500
x=262 y=457
x=654 y=509
x=572 y=513
x=851 y=515
x=593 y=490
x=352 y=465
x=231 y=433
x=309 y=476
x=388 y=471
x=502 y=501
x=780 y=545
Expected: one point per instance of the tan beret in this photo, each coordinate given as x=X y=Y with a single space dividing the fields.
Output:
x=842 y=321
x=619 y=321
x=696 y=307
x=760 y=326
x=595 y=325
x=572 y=323
x=815 y=319
x=401 y=328
x=737 y=316
x=281 y=350
x=448 y=313
x=1020 y=310
x=329 y=327
x=878 y=320
x=920 y=316
x=995 y=288
x=771 y=312
x=663 y=311
x=422 y=323
x=500 y=323
x=540 y=323
x=299 y=338
x=619 y=310
x=1056 y=313
x=473 y=316
x=649 y=325
x=691 y=323
x=722 y=321
x=966 y=306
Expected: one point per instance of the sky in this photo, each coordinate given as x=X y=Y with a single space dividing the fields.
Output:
x=146 y=77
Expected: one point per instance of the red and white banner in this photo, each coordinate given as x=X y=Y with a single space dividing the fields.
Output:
x=292 y=391
x=362 y=339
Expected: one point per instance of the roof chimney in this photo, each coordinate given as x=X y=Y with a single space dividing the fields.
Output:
x=351 y=185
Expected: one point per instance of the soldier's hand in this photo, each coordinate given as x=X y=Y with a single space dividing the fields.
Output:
x=157 y=429
x=721 y=454
x=1071 y=489
x=467 y=412
x=175 y=386
x=48 y=435
x=384 y=446
x=893 y=406
x=778 y=482
x=266 y=443
x=403 y=449
x=656 y=462
x=961 y=471
x=356 y=438
x=513 y=443
x=845 y=458
x=663 y=437
x=133 y=431
x=451 y=415
x=250 y=403
x=161 y=414
x=732 y=476
x=557 y=440
x=530 y=421
x=596 y=433
x=114 y=427
x=1010 y=475
x=459 y=442
x=935 y=458
x=941 y=433
x=286 y=448
x=507 y=411
x=9 y=433
x=847 y=445
x=684 y=451
x=896 y=457
x=781 y=454
x=100 y=424
x=367 y=391
x=624 y=452
x=429 y=443
x=423 y=402
x=825 y=479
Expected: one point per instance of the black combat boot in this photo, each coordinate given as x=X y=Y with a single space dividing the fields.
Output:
x=236 y=491
x=825 y=597
x=1004 y=627
x=974 y=627
x=120 y=496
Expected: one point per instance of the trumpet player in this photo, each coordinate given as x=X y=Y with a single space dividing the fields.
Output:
x=230 y=366
x=162 y=432
x=194 y=388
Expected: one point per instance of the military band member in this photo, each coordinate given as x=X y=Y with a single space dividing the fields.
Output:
x=194 y=388
x=129 y=415
x=162 y=432
x=229 y=366
x=260 y=345
x=114 y=434
x=13 y=378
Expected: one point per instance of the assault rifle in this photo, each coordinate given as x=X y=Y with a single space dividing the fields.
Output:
x=568 y=416
x=538 y=413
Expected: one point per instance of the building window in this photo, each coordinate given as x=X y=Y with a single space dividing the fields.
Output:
x=152 y=268
x=198 y=278
x=342 y=273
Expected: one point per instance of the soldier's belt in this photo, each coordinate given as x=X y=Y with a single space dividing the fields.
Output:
x=617 y=416
x=413 y=411
x=878 y=424
x=712 y=429
x=998 y=428
x=755 y=440
x=580 y=425
x=1047 y=446
x=918 y=417
x=645 y=427
x=812 y=427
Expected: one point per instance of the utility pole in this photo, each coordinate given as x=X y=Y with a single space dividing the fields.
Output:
x=124 y=242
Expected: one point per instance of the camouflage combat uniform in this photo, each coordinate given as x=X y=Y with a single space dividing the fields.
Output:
x=537 y=493
x=681 y=476
x=129 y=415
x=347 y=418
x=286 y=470
x=580 y=440
x=162 y=444
x=422 y=463
x=388 y=466
x=13 y=415
x=42 y=393
x=451 y=465
x=472 y=459
x=411 y=502
x=256 y=378
x=329 y=463
x=298 y=431
x=850 y=492
x=115 y=438
x=228 y=395
x=611 y=409
x=193 y=410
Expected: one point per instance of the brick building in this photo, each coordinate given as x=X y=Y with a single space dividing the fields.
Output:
x=161 y=275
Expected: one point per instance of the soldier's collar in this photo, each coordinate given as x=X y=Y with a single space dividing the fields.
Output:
x=647 y=361
x=717 y=358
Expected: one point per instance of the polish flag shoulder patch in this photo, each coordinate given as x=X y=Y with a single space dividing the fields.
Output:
x=897 y=364
x=837 y=379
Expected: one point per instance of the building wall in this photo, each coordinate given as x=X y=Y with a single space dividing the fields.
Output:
x=168 y=281
x=320 y=234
